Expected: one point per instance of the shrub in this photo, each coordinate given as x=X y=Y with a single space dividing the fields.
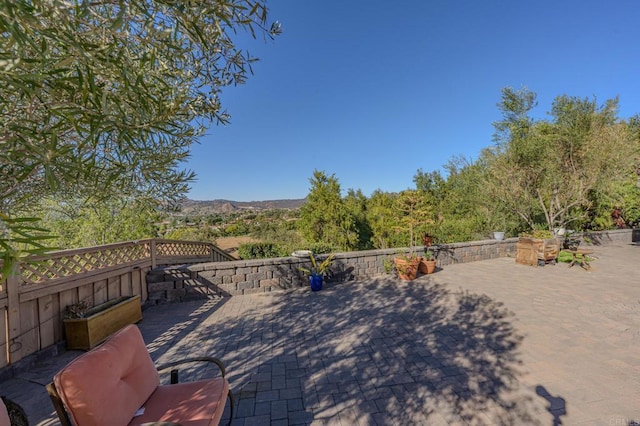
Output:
x=260 y=251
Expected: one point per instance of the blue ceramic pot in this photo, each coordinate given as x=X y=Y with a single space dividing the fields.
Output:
x=316 y=282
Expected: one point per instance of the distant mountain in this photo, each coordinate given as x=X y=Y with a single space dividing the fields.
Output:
x=197 y=207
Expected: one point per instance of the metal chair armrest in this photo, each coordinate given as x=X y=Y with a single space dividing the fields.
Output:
x=195 y=359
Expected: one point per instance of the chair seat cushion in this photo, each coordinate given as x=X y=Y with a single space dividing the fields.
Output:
x=196 y=403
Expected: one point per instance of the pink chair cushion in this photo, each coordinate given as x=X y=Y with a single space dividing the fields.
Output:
x=199 y=403
x=108 y=384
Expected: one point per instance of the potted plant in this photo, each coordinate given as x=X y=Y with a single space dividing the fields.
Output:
x=407 y=266
x=85 y=327
x=427 y=263
x=318 y=271
x=414 y=212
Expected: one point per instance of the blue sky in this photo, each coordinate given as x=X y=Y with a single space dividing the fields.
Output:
x=372 y=91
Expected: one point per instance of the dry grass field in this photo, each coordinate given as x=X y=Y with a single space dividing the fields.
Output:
x=230 y=244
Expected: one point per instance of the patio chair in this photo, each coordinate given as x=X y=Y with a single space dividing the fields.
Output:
x=117 y=383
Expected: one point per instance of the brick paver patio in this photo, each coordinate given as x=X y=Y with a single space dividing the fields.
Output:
x=488 y=342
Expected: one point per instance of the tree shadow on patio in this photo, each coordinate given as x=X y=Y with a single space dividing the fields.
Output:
x=380 y=351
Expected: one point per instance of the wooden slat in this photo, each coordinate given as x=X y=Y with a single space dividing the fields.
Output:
x=143 y=283
x=57 y=318
x=125 y=284
x=67 y=297
x=85 y=293
x=4 y=343
x=136 y=283
x=13 y=317
x=29 y=340
x=113 y=287
x=45 y=321
x=100 y=292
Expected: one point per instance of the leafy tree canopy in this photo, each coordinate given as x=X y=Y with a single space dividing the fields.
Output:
x=324 y=218
x=545 y=170
x=106 y=97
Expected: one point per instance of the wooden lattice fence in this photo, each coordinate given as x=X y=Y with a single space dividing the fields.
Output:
x=33 y=300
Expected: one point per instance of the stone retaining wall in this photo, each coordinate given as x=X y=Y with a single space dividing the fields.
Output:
x=264 y=275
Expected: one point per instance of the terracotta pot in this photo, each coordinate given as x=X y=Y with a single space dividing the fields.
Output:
x=407 y=269
x=427 y=266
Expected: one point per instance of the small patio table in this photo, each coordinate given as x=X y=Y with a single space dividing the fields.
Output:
x=582 y=260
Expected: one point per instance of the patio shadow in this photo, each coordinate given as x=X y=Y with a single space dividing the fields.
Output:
x=375 y=352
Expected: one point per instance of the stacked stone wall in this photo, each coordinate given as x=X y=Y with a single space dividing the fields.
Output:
x=240 y=277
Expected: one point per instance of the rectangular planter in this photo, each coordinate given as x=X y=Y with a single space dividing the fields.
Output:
x=101 y=322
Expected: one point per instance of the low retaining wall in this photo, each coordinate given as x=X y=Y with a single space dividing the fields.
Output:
x=264 y=275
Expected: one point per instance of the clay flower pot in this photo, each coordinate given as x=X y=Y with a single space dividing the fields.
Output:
x=427 y=266
x=407 y=267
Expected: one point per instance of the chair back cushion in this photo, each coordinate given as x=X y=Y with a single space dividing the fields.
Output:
x=108 y=384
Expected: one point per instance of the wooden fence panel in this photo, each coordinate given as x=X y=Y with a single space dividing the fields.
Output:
x=33 y=300
x=125 y=284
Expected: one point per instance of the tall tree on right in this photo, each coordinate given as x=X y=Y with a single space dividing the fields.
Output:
x=545 y=170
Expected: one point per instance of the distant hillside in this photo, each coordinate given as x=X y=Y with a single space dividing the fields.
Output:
x=196 y=207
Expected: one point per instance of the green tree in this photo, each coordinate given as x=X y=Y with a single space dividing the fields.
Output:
x=414 y=212
x=79 y=223
x=545 y=170
x=382 y=220
x=324 y=219
x=107 y=97
x=356 y=204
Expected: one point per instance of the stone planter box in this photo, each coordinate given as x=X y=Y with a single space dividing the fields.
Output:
x=101 y=322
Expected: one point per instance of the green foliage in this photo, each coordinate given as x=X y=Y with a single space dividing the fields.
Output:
x=103 y=98
x=388 y=265
x=382 y=220
x=356 y=204
x=324 y=218
x=414 y=213
x=323 y=268
x=193 y=233
x=84 y=223
x=544 y=171
x=260 y=251
x=543 y=234
x=20 y=238
x=566 y=257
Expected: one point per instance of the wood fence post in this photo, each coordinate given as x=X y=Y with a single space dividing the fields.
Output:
x=13 y=306
x=154 y=253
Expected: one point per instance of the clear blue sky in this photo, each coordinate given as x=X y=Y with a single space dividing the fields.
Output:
x=373 y=90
